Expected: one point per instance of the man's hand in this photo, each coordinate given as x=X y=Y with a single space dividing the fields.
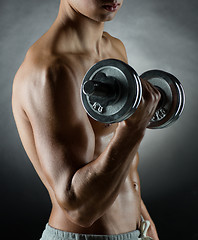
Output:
x=145 y=111
x=152 y=231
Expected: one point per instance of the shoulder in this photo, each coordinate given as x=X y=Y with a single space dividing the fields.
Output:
x=40 y=68
x=118 y=45
x=39 y=75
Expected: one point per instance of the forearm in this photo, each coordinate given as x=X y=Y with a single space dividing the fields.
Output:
x=97 y=184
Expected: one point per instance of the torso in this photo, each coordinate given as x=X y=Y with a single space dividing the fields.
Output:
x=124 y=214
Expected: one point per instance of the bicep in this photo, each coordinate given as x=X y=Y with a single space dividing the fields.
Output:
x=54 y=121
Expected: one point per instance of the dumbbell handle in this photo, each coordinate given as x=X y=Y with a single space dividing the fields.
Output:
x=108 y=91
x=102 y=89
x=98 y=89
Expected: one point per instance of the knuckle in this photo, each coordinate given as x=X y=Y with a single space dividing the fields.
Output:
x=142 y=101
x=157 y=96
x=152 y=97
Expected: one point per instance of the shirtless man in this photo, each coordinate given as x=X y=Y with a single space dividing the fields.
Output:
x=88 y=168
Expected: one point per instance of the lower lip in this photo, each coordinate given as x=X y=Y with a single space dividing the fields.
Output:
x=111 y=8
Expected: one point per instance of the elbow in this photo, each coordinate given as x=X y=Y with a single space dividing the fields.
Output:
x=82 y=220
x=77 y=212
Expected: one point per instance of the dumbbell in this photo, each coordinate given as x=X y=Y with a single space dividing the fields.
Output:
x=111 y=92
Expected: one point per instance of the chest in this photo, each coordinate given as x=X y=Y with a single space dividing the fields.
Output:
x=102 y=132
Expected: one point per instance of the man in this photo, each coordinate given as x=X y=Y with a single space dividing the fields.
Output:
x=89 y=168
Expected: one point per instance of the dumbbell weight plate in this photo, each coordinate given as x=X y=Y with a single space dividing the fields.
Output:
x=130 y=92
x=174 y=102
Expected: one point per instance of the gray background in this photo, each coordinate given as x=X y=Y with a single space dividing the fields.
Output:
x=157 y=35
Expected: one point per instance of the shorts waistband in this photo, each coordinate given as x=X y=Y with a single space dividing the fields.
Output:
x=52 y=233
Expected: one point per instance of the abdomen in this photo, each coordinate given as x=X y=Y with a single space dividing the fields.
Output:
x=124 y=214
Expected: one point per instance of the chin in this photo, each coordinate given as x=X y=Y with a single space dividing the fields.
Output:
x=104 y=18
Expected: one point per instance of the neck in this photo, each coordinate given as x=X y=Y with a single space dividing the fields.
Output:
x=85 y=34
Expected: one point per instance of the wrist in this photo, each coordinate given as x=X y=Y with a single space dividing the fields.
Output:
x=127 y=131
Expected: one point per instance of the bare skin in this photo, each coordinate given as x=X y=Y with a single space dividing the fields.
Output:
x=88 y=168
